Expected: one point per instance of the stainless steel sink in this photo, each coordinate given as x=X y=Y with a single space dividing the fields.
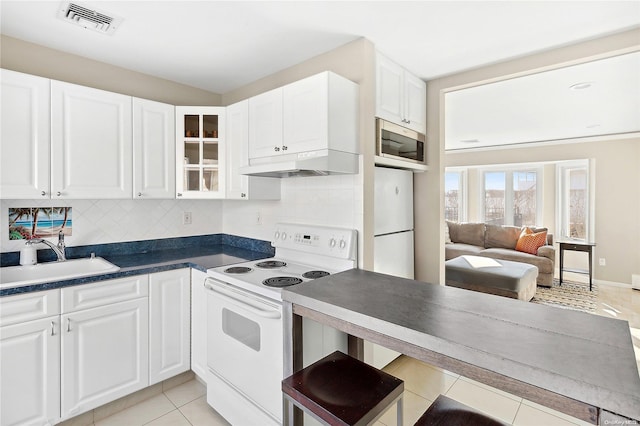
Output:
x=18 y=276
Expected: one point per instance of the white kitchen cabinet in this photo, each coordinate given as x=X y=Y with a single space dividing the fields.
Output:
x=200 y=152
x=199 y=324
x=169 y=324
x=91 y=143
x=104 y=349
x=154 y=153
x=265 y=124
x=315 y=113
x=400 y=96
x=25 y=135
x=30 y=359
x=242 y=187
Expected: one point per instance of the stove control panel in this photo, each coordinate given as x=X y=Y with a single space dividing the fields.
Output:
x=327 y=241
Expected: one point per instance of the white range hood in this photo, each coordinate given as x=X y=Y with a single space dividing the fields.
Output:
x=311 y=163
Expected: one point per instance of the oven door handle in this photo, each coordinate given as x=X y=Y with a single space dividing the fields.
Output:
x=251 y=304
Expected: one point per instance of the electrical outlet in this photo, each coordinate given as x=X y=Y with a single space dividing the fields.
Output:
x=258 y=219
x=602 y=261
x=186 y=218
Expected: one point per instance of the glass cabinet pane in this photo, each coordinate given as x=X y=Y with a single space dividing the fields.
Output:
x=192 y=179
x=192 y=152
x=209 y=179
x=210 y=126
x=210 y=153
x=191 y=126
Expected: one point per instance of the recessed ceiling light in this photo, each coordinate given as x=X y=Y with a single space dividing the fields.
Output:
x=470 y=141
x=593 y=126
x=581 y=86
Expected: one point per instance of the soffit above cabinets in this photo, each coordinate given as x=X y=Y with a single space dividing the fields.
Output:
x=597 y=98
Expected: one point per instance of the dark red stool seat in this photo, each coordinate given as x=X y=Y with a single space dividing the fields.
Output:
x=446 y=412
x=340 y=390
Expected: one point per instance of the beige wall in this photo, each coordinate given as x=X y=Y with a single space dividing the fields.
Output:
x=18 y=55
x=429 y=187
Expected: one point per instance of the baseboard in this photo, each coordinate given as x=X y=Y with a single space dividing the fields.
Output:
x=612 y=283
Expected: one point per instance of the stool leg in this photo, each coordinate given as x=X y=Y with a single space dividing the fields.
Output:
x=399 y=411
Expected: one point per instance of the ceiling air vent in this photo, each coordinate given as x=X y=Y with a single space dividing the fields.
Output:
x=90 y=19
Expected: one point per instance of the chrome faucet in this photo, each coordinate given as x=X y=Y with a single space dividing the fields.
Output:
x=57 y=249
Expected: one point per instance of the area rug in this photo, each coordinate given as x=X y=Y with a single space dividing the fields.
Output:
x=571 y=295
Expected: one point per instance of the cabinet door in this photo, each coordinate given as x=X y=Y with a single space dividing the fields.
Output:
x=154 y=153
x=389 y=87
x=198 y=324
x=237 y=149
x=104 y=354
x=415 y=103
x=169 y=324
x=24 y=136
x=305 y=110
x=200 y=152
x=30 y=372
x=90 y=143
x=265 y=124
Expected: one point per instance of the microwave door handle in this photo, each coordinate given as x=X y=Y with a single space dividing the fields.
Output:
x=249 y=304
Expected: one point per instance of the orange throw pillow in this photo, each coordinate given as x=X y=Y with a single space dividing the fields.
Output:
x=530 y=242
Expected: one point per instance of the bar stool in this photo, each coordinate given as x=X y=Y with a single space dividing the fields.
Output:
x=446 y=412
x=340 y=390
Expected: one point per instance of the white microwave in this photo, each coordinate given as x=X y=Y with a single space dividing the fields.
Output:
x=399 y=143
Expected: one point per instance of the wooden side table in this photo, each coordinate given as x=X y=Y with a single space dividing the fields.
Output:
x=577 y=246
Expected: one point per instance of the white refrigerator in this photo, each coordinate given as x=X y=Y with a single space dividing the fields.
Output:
x=393 y=239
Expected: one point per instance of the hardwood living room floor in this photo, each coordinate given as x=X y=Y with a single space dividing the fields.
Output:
x=186 y=405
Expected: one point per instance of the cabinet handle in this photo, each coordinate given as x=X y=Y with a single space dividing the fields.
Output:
x=243 y=195
x=179 y=194
x=284 y=148
x=43 y=193
x=276 y=148
x=58 y=193
x=139 y=194
x=408 y=121
x=68 y=325
x=53 y=328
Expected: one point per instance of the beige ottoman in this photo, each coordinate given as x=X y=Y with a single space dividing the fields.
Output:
x=501 y=277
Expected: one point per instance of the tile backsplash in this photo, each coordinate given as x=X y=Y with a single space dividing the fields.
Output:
x=110 y=221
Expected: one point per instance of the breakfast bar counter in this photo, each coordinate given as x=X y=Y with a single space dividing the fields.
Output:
x=574 y=362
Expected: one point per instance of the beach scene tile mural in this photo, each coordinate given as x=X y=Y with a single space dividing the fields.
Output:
x=39 y=222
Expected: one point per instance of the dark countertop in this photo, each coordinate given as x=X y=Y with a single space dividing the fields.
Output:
x=199 y=253
x=550 y=352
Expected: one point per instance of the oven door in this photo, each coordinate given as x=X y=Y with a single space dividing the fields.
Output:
x=245 y=344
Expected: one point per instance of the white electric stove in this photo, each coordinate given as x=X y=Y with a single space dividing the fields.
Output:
x=244 y=320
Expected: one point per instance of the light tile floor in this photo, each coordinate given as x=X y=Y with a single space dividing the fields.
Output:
x=186 y=404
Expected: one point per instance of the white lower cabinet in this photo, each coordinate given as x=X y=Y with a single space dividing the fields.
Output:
x=104 y=349
x=30 y=372
x=198 y=324
x=169 y=324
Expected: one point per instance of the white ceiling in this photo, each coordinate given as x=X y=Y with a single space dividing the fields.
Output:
x=591 y=99
x=221 y=45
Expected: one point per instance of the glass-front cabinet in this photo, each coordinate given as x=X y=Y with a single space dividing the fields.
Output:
x=200 y=152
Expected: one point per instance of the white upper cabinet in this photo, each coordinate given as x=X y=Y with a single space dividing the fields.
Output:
x=200 y=152
x=400 y=96
x=242 y=187
x=315 y=113
x=154 y=154
x=265 y=124
x=91 y=143
x=24 y=136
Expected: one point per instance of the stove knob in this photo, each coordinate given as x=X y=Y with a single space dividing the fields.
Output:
x=332 y=242
x=276 y=235
x=284 y=236
x=343 y=244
